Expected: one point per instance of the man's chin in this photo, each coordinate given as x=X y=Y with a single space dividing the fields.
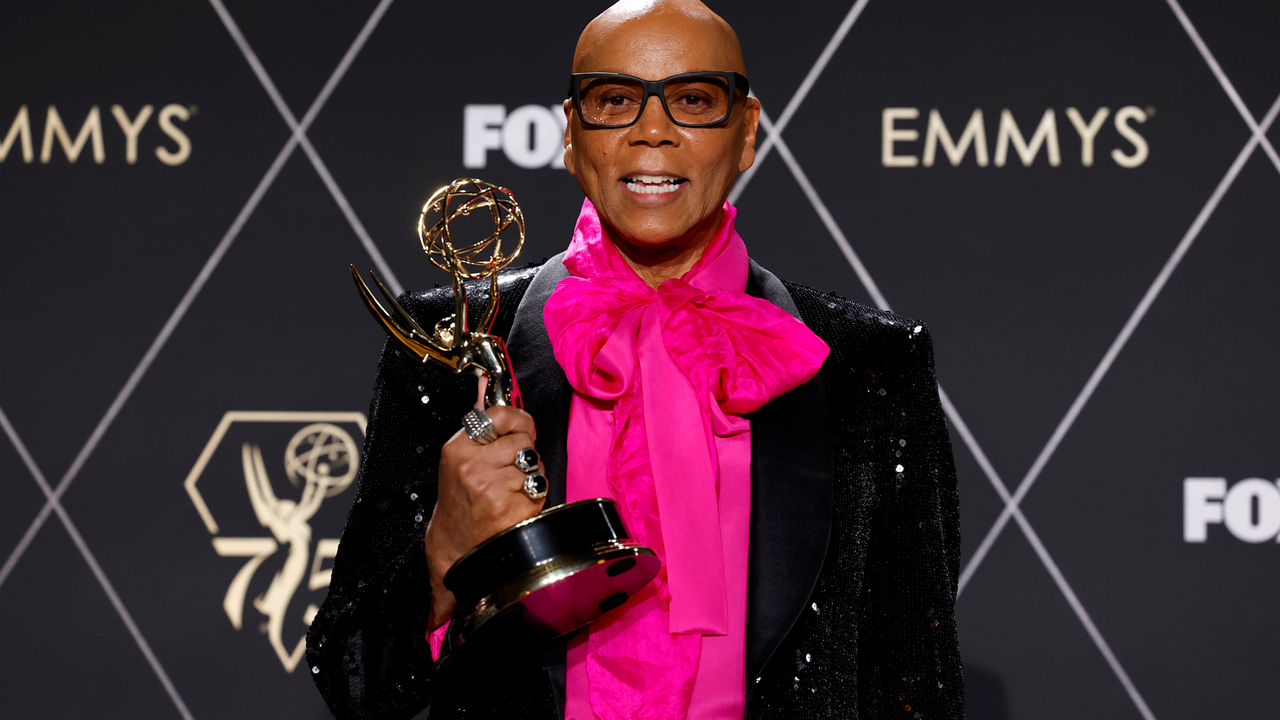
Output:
x=652 y=227
x=653 y=236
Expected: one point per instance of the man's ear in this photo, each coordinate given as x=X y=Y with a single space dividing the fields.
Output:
x=568 y=137
x=752 y=120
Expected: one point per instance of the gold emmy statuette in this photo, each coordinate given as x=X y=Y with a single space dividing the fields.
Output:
x=566 y=566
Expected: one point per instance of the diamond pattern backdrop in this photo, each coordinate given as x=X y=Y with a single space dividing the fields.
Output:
x=1102 y=332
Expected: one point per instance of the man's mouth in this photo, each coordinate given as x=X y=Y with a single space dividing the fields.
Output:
x=653 y=184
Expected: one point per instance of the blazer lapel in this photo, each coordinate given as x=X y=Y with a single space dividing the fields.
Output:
x=546 y=394
x=543 y=385
x=792 y=488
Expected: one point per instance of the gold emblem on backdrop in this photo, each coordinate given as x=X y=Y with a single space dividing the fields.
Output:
x=318 y=462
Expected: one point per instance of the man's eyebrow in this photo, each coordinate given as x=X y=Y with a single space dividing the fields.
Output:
x=592 y=82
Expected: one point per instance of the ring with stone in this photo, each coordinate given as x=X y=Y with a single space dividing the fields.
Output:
x=479 y=426
x=535 y=486
x=527 y=460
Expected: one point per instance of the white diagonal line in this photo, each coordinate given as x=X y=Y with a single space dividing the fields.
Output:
x=198 y=284
x=1224 y=82
x=388 y=276
x=970 y=441
x=180 y=311
x=21 y=548
x=800 y=94
x=107 y=587
x=53 y=496
x=154 y=350
x=878 y=297
x=874 y=291
x=836 y=233
x=1085 y=620
x=1012 y=508
x=1118 y=344
x=300 y=129
x=39 y=476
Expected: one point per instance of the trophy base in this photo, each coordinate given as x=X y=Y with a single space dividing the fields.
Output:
x=557 y=598
x=547 y=576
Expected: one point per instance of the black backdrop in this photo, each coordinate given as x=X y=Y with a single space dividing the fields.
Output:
x=1105 y=333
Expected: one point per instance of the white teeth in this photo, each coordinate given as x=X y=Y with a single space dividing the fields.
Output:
x=653 y=184
x=651 y=189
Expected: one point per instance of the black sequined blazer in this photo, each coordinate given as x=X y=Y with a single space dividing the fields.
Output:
x=854 y=547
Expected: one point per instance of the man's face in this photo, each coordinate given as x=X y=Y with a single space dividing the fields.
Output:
x=614 y=166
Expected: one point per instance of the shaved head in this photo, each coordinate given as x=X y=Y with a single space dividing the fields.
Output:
x=631 y=21
x=660 y=187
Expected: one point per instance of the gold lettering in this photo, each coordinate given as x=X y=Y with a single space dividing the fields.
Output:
x=326 y=548
x=975 y=133
x=1046 y=134
x=167 y=113
x=92 y=128
x=21 y=127
x=890 y=135
x=131 y=129
x=257 y=549
x=1140 y=149
x=1088 y=131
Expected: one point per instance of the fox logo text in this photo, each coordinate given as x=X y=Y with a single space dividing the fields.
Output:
x=1250 y=509
x=531 y=136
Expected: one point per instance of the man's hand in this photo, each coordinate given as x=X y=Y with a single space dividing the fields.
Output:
x=481 y=494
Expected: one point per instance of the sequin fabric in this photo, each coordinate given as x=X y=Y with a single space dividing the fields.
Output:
x=876 y=640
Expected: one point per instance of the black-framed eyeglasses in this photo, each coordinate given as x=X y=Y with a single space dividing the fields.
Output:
x=697 y=99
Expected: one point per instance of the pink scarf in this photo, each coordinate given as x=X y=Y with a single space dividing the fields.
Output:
x=696 y=353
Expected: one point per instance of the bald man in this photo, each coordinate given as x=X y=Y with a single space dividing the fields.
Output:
x=831 y=493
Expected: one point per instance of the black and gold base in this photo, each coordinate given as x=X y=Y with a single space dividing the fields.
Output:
x=547 y=576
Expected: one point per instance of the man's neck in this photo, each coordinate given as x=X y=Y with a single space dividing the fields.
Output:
x=656 y=265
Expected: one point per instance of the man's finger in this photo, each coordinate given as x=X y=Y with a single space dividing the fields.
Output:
x=507 y=420
x=502 y=452
x=518 y=481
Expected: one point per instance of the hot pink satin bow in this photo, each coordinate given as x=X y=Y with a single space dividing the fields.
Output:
x=681 y=364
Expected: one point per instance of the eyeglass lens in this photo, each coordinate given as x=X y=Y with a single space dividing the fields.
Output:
x=691 y=100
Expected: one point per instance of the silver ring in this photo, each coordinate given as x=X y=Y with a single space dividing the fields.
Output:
x=527 y=460
x=479 y=426
x=535 y=486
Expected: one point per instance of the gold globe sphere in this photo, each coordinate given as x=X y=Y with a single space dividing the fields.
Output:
x=470 y=260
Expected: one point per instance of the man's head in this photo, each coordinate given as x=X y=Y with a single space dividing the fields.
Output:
x=652 y=40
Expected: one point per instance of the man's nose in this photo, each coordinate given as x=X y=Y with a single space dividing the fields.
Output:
x=654 y=126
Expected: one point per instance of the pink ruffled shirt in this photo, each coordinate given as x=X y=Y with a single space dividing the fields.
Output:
x=662 y=380
x=719 y=689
